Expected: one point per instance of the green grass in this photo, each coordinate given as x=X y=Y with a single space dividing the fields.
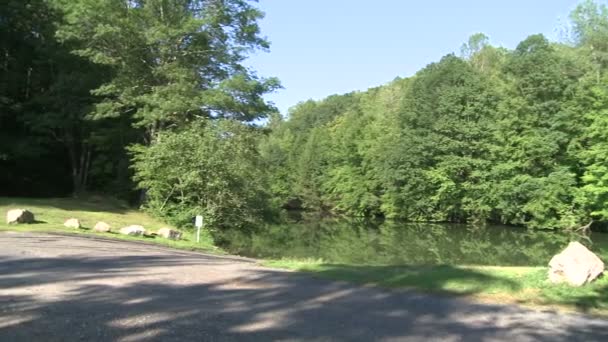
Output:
x=50 y=215
x=523 y=285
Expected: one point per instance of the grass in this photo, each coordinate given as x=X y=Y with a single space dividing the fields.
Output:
x=50 y=215
x=522 y=285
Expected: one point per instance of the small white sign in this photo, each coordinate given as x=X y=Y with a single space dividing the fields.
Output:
x=198 y=222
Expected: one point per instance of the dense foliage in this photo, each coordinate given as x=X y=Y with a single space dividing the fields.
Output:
x=119 y=96
x=113 y=96
x=494 y=135
x=215 y=172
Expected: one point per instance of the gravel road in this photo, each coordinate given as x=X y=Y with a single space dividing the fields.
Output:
x=64 y=288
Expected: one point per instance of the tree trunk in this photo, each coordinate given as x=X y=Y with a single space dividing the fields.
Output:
x=80 y=160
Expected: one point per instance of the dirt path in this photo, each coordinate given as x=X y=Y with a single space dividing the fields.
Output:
x=58 y=288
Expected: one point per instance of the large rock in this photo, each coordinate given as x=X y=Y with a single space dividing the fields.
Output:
x=169 y=233
x=19 y=216
x=102 y=227
x=575 y=265
x=72 y=223
x=133 y=230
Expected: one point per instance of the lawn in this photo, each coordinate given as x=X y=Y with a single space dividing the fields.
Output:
x=51 y=213
x=522 y=285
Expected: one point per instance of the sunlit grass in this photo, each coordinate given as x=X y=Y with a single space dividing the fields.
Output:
x=522 y=285
x=50 y=215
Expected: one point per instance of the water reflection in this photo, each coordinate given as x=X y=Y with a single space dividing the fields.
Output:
x=364 y=242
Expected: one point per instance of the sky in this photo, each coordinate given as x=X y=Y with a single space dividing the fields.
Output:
x=324 y=47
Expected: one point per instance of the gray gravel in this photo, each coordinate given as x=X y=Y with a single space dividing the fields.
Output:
x=63 y=288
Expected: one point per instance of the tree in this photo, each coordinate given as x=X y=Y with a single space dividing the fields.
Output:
x=45 y=98
x=590 y=31
x=447 y=117
x=476 y=43
x=483 y=56
x=174 y=60
x=211 y=168
x=535 y=174
x=173 y=63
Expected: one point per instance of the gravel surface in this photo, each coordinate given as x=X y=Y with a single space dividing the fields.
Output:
x=64 y=288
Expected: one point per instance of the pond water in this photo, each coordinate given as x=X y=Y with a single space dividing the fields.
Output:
x=364 y=242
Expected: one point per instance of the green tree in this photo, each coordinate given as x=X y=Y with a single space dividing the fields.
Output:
x=536 y=176
x=174 y=60
x=590 y=30
x=474 y=45
x=448 y=115
x=44 y=100
x=216 y=172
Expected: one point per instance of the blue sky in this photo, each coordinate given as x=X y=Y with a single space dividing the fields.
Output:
x=324 y=47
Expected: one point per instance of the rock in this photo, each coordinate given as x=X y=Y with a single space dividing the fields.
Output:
x=19 y=216
x=133 y=230
x=102 y=227
x=72 y=223
x=169 y=233
x=575 y=265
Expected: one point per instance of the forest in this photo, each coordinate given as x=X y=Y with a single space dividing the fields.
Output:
x=150 y=101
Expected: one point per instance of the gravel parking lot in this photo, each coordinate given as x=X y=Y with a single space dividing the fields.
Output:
x=65 y=288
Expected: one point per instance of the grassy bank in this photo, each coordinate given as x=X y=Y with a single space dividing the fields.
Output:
x=522 y=285
x=51 y=213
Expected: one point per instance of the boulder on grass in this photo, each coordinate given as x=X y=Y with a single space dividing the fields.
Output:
x=19 y=216
x=72 y=223
x=575 y=265
x=102 y=227
x=134 y=230
x=169 y=233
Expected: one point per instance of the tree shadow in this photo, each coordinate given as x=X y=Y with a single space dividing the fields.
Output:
x=441 y=279
x=456 y=281
x=589 y=299
x=94 y=291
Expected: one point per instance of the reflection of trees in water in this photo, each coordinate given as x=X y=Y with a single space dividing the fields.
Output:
x=365 y=242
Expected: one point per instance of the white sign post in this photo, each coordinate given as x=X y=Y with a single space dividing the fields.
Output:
x=198 y=222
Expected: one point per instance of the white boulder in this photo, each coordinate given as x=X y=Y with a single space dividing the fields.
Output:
x=169 y=233
x=72 y=223
x=102 y=227
x=134 y=230
x=19 y=216
x=575 y=265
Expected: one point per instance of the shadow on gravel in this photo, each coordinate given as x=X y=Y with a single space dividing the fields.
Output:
x=259 y=305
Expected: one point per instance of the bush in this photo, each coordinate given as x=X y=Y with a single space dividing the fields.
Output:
x=210 y=168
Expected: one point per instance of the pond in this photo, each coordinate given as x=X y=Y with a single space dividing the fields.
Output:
x=364 y=242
